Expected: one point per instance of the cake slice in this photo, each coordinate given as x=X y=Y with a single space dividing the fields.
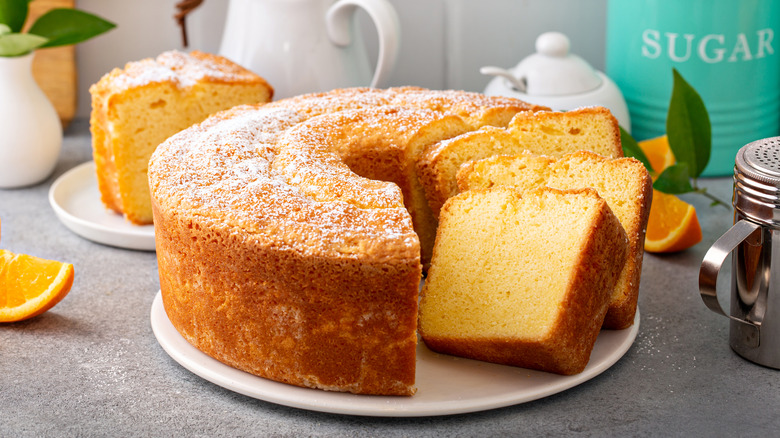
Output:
x=557 y=133
x=623 y=182
x=136 y=108
x=542 y=132
x=522 y=280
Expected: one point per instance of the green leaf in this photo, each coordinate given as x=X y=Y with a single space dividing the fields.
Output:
x=688 y=127
x=4 y=29
x=63 y=27
x=631 y=149
x=13 y=13
x=17 y=44
x=675 y=180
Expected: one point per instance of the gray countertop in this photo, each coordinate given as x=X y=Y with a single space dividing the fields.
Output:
x=91 y=366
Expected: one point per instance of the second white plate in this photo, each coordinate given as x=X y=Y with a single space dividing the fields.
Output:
x=445 y=384
x=75 y=198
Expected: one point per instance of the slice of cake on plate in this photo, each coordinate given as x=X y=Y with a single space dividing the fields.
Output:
x=136 y=108
x=522 y=279
x=623 y=182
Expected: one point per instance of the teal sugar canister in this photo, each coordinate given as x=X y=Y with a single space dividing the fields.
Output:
x=728 y=50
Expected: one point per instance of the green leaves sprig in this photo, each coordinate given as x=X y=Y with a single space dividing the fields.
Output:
x=689 y=133
x=57 y=27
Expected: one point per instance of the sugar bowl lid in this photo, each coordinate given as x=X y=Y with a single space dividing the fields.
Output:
x=551 y=71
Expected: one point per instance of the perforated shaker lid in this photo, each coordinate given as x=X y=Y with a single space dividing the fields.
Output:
x=760 y=160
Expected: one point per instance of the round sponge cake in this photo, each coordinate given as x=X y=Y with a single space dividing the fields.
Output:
x=287 y=233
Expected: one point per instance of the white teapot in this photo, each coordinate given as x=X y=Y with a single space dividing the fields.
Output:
x=555 y=78
x=302 y=46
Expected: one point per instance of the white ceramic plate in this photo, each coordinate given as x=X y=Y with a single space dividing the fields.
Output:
x=445 y=384
x=75 y=198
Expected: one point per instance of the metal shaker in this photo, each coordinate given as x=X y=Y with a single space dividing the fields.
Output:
x=754 y=243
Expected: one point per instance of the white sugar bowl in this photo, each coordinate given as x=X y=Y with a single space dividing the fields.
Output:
x=555 y=78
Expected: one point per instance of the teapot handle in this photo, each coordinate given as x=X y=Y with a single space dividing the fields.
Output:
x=387 y=24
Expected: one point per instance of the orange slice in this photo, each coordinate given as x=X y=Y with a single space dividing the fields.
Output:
x=658 y=152
x=672 y=226
x=30 y=285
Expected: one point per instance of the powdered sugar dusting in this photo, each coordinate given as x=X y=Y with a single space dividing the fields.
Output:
x=182 y=69
x=272 y=170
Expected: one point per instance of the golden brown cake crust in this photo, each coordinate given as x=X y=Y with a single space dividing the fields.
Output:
x=276 y=258
x=290 y=316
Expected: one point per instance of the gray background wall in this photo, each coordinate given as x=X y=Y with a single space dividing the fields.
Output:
x=444 y=42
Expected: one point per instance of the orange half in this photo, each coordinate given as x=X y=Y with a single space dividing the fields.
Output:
x=30 y=285
x=672 y=226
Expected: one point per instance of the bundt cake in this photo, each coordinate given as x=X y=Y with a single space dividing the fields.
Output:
x=136 y=108
x=284 y=243
x=624 y=183
x=522 y=279
x=547 y=132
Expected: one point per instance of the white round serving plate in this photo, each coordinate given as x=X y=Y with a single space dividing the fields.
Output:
x=446 y=385
x=75 y=198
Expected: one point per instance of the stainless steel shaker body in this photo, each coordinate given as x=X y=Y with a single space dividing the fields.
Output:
x=754 y=243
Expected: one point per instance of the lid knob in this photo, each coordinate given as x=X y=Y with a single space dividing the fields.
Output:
x=554 y=44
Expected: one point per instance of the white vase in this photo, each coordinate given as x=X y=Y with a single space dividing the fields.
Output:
x=30 y=129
